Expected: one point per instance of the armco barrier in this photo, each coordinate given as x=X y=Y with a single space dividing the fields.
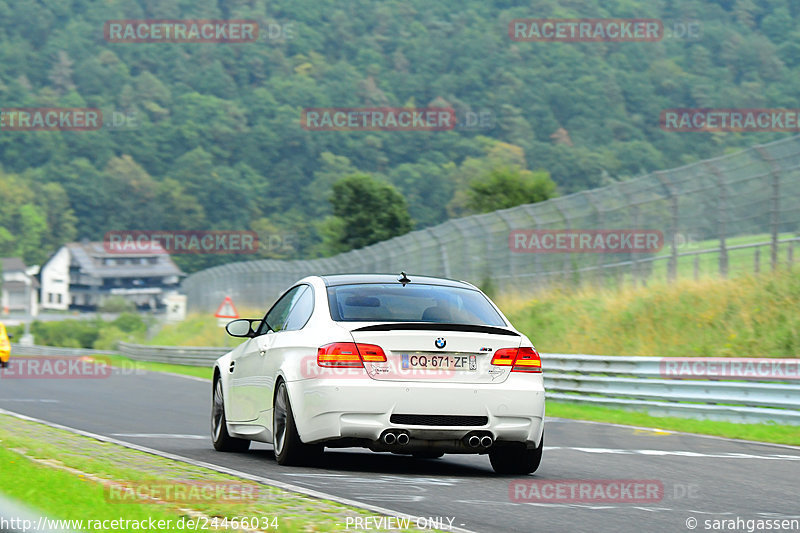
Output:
x=613 y=381
x=193 y=356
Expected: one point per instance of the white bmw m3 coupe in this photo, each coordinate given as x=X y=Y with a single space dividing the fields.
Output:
x=420 y=365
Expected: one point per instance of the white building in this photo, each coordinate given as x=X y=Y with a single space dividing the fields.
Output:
x=20 y=288
x=81 y=275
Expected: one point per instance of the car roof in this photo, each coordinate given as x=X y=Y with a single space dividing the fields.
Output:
x=353 y=279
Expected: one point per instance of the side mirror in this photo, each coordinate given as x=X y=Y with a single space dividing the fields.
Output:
x=10 y=336
x=242 y=327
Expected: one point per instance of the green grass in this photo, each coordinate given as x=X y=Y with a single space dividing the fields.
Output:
x=73 y=495
x=198 y=330
x=758 y=432
x=747 y=316
x=129 y=365
x=63 y=495
x=740 y=262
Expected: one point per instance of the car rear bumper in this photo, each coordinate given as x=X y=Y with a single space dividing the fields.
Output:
x=343 y=409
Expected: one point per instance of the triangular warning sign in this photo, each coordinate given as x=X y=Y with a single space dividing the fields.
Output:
x=227 y=309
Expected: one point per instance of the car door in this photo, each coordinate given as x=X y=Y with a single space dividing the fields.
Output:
x=250 y=386
x=288 y=341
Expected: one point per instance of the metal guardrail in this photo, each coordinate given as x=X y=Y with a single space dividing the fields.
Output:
x=643 y=383
x=18 y=349
x=192 y=356
x=647 y=384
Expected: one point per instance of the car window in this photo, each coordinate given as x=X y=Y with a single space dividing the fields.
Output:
x=377 y=302
x=276 y=317
x=301 y=312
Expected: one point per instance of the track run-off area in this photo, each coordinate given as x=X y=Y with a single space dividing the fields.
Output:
x=670 y=481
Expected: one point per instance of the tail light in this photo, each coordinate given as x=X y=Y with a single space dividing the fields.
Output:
x=527 y=360
x=349 y=355
x=520 y=360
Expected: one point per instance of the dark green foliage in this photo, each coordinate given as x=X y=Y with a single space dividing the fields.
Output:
x=216 y=142
x=507 y=187
x=365 y=211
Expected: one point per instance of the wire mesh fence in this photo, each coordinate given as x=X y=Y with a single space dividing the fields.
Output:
x=724 y=216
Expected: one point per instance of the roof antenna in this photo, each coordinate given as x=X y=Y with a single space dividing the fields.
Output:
x=403 y=279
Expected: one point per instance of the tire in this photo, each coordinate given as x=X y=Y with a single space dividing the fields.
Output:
x=517 y=459
x=289 y=449
x=223 y=442
x=428 y=455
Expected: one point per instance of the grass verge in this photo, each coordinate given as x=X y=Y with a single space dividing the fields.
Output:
x=758 y=432
x=71 y=495
x=747 y=316
x=130 y=365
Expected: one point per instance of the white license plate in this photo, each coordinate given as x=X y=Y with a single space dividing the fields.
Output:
x=430 y=361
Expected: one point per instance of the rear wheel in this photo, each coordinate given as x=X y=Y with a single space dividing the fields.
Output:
x=289 y=449
x=223 y=442
x=517 y=459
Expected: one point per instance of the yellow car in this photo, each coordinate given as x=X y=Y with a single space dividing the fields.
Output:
x=5 y=347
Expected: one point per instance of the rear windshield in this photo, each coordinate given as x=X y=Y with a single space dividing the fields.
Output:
x=377 y=302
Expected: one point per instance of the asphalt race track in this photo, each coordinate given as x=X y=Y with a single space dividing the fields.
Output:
x=703 y=478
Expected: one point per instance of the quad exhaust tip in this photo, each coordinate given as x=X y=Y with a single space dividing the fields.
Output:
x=390 y=438
x=478 y=440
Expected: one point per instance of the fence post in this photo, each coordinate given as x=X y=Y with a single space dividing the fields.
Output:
x=512 y=271
x=672 y=266
x=600 y=224
x=776 y=203
x=757 y=261
x=722 y=204
x=566 y=268
x=442 y=251
x=530 y=209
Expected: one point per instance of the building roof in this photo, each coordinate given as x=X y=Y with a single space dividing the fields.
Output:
x=94 y=260
x=13 y=264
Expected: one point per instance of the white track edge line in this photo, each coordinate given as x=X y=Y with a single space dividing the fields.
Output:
x=225 y=470
x=674 y=432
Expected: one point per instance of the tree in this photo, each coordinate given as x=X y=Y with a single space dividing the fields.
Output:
x=365 y=211
x=508 y=187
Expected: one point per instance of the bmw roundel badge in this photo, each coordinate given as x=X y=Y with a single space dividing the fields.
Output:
x=440 y=343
